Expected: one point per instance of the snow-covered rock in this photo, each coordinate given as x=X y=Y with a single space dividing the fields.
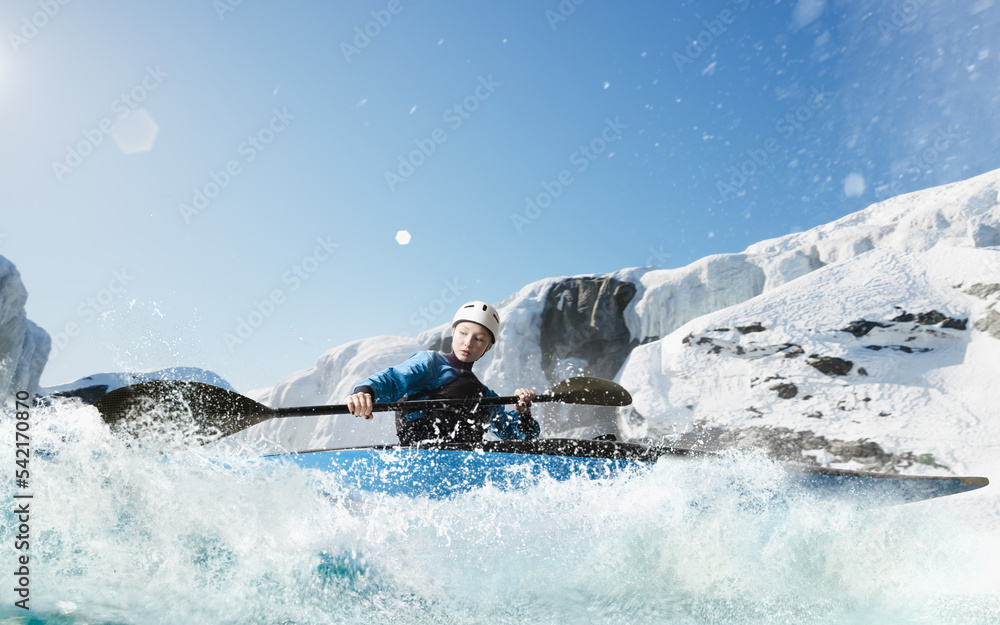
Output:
x=24 y=347
x=965 y=214
x=854 y=350
x=886 y=361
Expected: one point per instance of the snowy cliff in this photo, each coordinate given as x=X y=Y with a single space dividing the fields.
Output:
x=24 y=347
x=964 y=214
x=868 y=342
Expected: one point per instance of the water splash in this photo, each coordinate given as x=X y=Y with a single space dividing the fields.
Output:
x=124 y=535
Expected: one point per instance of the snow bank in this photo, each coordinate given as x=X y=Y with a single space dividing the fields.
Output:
x=772 y=360
x=24 y=347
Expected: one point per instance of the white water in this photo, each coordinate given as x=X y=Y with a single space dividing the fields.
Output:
x=119 y=535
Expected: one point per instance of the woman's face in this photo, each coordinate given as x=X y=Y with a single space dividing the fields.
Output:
x=470 y=341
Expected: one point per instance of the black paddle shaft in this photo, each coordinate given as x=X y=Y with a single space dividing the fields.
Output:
x=215 y=412
x=409 y=406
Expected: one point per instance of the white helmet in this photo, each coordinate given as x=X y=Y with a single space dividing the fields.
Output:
x=481 y=313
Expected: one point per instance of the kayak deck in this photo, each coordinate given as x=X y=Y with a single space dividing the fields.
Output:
x=446 y=469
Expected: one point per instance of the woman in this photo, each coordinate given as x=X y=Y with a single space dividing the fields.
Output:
x=434 y=375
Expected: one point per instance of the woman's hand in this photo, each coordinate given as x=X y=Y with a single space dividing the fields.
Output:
x=360 y=405
x=525 y=422
x=524 y=398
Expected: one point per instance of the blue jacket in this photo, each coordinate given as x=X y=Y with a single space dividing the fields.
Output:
x=424 y=372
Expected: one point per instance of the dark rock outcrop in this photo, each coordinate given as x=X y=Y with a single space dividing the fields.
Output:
x=906 y=349
x=584 y=319
x=932 y=318
x=788 y=445
x=785 y=390
x=862 y=327
x=989 y=323
x=830 y=365
x=983 y=291
x=441 y=343
x=731 y=348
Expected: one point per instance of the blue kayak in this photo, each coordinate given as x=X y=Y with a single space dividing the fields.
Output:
x=443 y=470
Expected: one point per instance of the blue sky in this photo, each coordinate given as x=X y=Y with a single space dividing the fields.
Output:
x=514 y=141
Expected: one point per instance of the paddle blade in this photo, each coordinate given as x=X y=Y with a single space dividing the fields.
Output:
x=195 y=409
x=590 y=391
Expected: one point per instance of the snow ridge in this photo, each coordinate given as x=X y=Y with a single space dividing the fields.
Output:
x=967 y=214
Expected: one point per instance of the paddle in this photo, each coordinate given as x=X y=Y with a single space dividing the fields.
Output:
x=213 y=412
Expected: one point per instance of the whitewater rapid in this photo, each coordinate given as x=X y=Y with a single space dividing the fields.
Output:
x=122 y=534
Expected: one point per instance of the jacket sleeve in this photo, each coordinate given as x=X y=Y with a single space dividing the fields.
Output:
x=416 y=374
x=506 y=424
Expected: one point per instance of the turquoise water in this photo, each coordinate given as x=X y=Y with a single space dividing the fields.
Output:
x=119 y=535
